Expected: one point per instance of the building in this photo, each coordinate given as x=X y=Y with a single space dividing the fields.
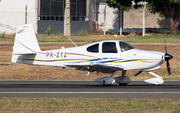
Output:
x=13 y=13
x=42 y=13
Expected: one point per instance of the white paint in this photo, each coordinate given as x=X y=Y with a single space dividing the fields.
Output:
x=13 y=14
x=155 y=75
x=30 y=41
x=121 y=22
x=144 y=9
x=105 y=20
x=155 y=81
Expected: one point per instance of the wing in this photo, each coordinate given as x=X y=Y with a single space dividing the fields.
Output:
x=95 y=66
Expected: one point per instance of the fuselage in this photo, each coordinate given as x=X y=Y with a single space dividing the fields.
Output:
x=113 y=52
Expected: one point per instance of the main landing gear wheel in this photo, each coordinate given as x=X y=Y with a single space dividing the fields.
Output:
x=108 y=81
x=125 y=84
x=123 y=80
x=107 y=84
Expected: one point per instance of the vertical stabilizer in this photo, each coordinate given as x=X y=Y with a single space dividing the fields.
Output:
x=25 y=40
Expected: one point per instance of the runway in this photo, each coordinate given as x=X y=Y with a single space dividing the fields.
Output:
x=87 y=89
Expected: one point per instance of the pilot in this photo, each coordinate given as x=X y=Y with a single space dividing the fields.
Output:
x=122 y=48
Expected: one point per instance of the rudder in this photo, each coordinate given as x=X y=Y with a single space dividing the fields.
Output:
x=25 y=41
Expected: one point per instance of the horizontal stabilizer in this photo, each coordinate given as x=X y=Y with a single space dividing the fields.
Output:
x=23 y=53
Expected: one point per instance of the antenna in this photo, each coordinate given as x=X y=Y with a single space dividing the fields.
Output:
x=72 y=42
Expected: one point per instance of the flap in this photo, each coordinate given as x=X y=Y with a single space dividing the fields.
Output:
x=97 y=65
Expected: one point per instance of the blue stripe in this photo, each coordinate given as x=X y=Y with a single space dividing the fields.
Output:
x=109 y=61
x=20 y=31
x=98 y=59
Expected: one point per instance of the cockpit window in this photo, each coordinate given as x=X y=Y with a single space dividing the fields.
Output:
x=109 y=47
x=93 y=48
x=125 y=46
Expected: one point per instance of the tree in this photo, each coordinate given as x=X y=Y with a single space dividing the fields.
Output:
x=123 y=4
x=168 y=8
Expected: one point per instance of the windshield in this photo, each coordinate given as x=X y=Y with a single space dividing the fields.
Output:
x=125 y=46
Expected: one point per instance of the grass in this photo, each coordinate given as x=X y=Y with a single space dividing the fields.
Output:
x=89 y=105
x=135 y=39
x=81 y=33
x=7 y=37
x=83 y=37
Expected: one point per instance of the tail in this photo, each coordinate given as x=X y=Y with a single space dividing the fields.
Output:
x=25 y=42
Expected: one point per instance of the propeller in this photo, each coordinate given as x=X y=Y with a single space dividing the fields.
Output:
x=167 y=58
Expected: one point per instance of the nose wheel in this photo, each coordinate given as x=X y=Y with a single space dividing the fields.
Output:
x=156 y=81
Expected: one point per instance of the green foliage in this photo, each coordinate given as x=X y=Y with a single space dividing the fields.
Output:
x=161 y=5
x=109 y=30
x=3 y=35
x=81 y=33
x=166 y=31
x=101 y=31
x=154 y=5
x=123 y=4
x=48 y=31
x=145 y=30
x=168 y=8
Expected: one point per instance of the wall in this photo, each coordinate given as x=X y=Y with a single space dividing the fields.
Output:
x=134 y=19
x=13 y=14
x=57 y=27
x=112 y=17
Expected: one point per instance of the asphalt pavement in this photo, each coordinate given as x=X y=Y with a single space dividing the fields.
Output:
x=88 y=89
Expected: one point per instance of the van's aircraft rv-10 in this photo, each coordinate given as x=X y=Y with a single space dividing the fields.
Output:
x=107 y=56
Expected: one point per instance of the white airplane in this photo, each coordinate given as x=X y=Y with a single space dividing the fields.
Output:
x=108 y=56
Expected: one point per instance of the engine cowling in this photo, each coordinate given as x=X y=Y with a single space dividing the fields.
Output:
x=105 y=80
